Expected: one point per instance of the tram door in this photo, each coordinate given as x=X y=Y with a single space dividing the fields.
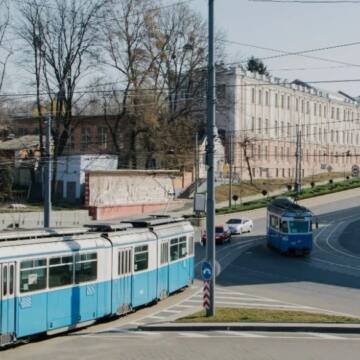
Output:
x=7 y=299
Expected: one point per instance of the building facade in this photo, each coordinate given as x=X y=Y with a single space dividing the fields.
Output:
x=266 y=117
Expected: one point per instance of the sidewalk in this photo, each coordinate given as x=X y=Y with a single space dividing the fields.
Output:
x=271 y=327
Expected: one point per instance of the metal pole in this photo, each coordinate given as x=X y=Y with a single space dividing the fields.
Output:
x=47 y=180
x=300 y=160
x=196 y=162
x=210 y=213
x=296 y=184
x=230 y=171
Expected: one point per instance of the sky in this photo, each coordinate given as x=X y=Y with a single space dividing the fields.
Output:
x=284 y=26
x=293 y=27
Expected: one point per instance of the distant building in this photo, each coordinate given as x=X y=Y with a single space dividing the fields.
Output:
x=71 y=170
x=269 y=112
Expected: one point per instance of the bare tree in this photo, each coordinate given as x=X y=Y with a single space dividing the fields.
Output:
x=5 y=51
x=63 y=36
x=247 y=145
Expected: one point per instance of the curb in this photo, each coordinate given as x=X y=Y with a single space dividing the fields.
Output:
x=268 y=327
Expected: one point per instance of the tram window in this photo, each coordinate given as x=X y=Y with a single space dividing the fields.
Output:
x=182 y=247
x=274 y=222
x=85 y=268
x=164 y=256
x=11 y=283
x=61 y=271
x=191 y=245
x=124 y=262
x=5 y=280
x=141 y=258
x=174 y=249
x=284 y=227
x=33 y=275
x=298 y=227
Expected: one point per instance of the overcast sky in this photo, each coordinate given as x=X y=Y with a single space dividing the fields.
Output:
x=293 y=27
x=283 y=26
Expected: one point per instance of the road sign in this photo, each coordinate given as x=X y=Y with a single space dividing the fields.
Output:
x=206 y=270
x=206 y=296
x=355 y=171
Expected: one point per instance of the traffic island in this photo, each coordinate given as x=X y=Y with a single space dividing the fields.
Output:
x=251 y=319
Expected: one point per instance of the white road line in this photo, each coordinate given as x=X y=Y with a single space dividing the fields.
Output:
x=185 y=306
x=171 y=311
x=155 y=317
x=242 y=298
x=328 y=336
x=241 y=334
x=192 y=335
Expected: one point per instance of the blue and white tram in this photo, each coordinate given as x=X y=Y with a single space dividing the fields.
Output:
x=289 y=227
x=55 y=280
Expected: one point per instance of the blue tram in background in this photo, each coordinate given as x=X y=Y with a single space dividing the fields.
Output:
x=54 y=280
x=289 y=227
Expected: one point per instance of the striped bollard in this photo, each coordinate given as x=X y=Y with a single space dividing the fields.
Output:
x=206 y=300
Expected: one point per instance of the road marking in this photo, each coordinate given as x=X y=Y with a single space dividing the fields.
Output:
x=254 y=299
x=192 y=335
x=156 y=317
x=172 y=311
x=328 y=336
x=185 y=306
x=241 y=334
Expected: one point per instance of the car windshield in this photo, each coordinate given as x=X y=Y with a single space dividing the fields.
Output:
x=219 y=229
x=298 y=227
x=234 y=221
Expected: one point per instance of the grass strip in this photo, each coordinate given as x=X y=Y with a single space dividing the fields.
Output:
x=267 y=315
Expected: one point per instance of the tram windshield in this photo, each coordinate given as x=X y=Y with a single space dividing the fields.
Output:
x=298 y=226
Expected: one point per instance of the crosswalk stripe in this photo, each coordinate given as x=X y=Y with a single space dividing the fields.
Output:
x=327 y=336
x=241 y=298
x=192 y=335
x=242 y=334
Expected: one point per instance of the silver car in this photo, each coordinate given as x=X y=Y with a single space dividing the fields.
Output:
x=239 y=226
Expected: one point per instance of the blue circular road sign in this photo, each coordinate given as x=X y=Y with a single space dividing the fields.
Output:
x=206 y=270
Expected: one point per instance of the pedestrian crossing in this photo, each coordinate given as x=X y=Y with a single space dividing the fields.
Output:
x=128 y=333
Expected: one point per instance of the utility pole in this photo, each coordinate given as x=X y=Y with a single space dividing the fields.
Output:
x=196 y=162
x=210 y=212
x=230 y=170
x=47 y=177
x=297 y=185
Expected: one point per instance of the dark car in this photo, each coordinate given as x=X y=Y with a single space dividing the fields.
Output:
x=222 y=235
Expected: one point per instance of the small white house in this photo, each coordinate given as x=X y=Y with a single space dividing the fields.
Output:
x=71 y=173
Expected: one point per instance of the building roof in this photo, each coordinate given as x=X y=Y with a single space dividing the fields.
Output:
x=22 y=142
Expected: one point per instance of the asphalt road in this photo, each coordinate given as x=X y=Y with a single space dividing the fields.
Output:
x=251 y=275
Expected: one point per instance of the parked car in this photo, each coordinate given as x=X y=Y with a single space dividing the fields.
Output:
x=239 y=226
x=222 y=235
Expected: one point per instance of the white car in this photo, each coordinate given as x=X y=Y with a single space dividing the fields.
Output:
x=239 y=226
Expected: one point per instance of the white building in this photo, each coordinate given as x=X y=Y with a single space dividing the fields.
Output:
x=264 y=114
x=71 y=172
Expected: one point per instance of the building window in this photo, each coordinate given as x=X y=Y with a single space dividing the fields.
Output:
x=325 y=111
x=315 y=133
x=315 y=108
x=332 y=112
x=344 y=115
x=308 y=131
x=297 y=104
x=302 y=106
x=282 y=153
x=337 y=136
x=282 y=129
x=259 y=125
x=320 y=110
x=307 y=107
x=288 y=129
x=277 y=172
x=266 y=153
x=288 y=153
x=276 y=129
x=332 y=136
x=276 y=100
x=253 y=123
x=282 y=101
x=267 y=98
x=102 y=137
x=85 y=138
x=283 y=172
x=337 y=114
x=266 y=126
x=259 y=152
x=260 y=97
x=288 y=102
x=253 y=95
x=276 y=152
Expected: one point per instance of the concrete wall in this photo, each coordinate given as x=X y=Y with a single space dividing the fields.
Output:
x=113 y=194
